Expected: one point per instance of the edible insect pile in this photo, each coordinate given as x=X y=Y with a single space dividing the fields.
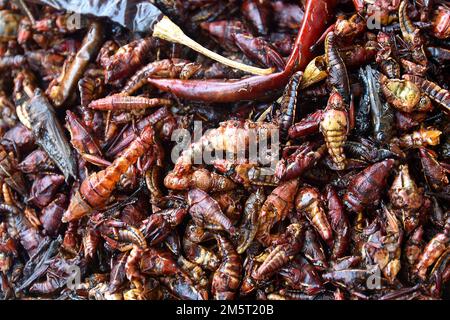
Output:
x=267 y=149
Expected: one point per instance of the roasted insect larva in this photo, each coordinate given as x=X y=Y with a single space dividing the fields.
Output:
x=96 y=189
x=309 y=202
x=281 y=253
x=422 y=138
x=440 y=95
x=337 y=70
x=289 y=104
x=201 y=179
x=366 y=187
x=276 y=208
x=226 y=278
x=206 y=212
x=334 y=127
x=128 y=59
x=136 y=163
x=407 y=198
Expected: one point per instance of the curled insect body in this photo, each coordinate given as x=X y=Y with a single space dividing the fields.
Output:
x=368 y=150
x=166 y=68
x=413 y=68
x=276 y=208
x=197 y=234
x=421 y=138
x=339 y=223
x=350 y=278
x=402 y=94
x=162 y=120
x=96 y=189
x=57 y=275
x=298 y=162
x=350 y=28
x=71 y=241
x=414 y=247
x=117 y=276
x=36 y=161
x=388 y=65
x=299 y=274
x=201 y=179
x=44 y=188
x=159 y=225
x=230 y=204
x=365 y=188
x=222 y=31
x=408 y=121
x=128 y=59
x=440 y=95
x=183 y=287
x=259 y=50
x=120 y=235
x=357 y=55
x=63 y=88
x=441 y=22
x=385 y=250
x=434 y=172
x=91 y=86
x=151 y=261
x=200 y=255
x=281 y=253
x=435 y=247
x=250 y=174
x=407 y=198
x=309 y=201
x=308 y=125
x=51 y=215
x=411 y=35
x=228 y=137
x=249 y=225
x=196 y=273
x=206 y=212
x=226 y=278
x=82 y=141
x=21 y=229
x=313 y=249
x=9 y=173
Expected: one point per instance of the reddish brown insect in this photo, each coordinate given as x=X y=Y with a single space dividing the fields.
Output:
x=95 y=190
x=127 y=103
x=365 y=188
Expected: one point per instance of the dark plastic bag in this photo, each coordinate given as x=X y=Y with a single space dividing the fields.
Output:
x=136 y=15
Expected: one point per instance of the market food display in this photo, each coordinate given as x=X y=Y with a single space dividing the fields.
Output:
x=239 y=149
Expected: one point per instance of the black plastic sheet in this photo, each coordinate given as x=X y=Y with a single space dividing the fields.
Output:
x=136 y=15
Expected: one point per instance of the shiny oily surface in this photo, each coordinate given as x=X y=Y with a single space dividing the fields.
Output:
x=128 y=167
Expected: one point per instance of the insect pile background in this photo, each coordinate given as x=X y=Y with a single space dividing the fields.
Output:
x=92 y=205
